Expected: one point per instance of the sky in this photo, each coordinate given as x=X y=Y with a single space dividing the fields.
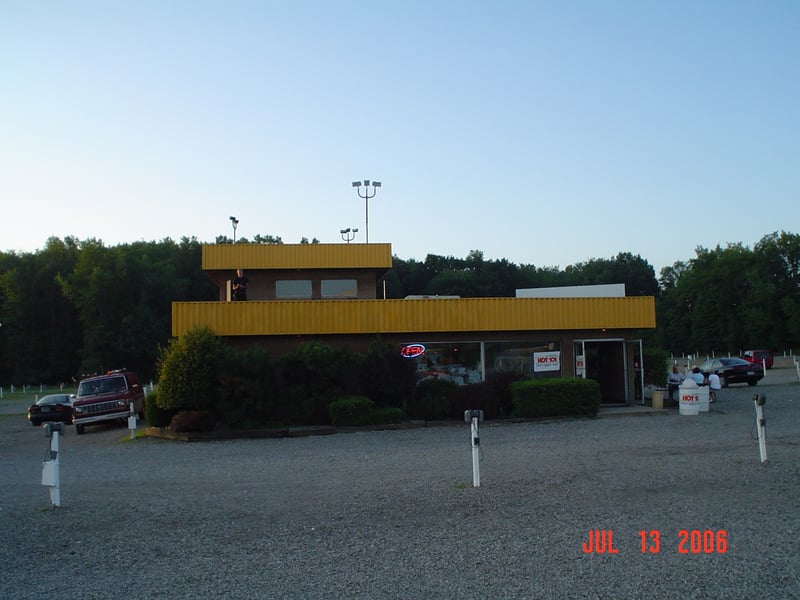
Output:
x=546 y=133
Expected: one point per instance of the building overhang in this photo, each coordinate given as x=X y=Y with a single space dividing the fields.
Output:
x=342 y=317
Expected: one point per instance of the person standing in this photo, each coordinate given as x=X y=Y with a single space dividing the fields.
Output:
x=697 y=375
x=714 y=384
x=674 y=380
x=239 y=286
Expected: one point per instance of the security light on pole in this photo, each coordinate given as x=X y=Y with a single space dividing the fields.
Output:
x=367 y=184
x=349 y=234
x=234 y=223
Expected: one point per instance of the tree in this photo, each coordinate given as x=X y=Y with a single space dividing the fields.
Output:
x=189 y=371
x=40 y=340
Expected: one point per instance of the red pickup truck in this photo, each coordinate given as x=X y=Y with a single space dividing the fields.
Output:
x=107 y=398
x=759 y=357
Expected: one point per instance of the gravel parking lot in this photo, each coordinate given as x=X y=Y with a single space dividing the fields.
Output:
x=394 y=514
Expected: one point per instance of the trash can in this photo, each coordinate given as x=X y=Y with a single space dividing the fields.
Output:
x=689 y=398
x=658 y=398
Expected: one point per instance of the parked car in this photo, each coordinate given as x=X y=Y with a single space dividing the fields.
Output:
x=733 y=370
x=107 y=397
x=759 y=357
x=54 y=407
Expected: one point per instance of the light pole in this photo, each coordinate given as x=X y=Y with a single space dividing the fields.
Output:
x=348 y=234
x=375 y=185
x=234 y=223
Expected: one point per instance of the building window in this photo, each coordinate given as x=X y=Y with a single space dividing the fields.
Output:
x=538 y=359
x=458 y=362
x=288 y=289
x=339 y=288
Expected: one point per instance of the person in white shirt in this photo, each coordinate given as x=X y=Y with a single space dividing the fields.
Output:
x=713 y=385
x=674 y=380
x=697 y=375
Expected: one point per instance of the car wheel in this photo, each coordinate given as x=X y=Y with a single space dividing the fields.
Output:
x=79 y=429
x=723 y=381
x=751 y=382
x=34 y=423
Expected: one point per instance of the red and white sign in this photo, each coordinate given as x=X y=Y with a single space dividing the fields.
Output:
x=546 y=361
x=412 y=350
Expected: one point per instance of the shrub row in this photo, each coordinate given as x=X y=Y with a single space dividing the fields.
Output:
x=203 y=382
x=247 y=388
x=555 y=397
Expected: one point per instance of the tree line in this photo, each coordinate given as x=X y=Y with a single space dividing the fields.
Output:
x=78 y=307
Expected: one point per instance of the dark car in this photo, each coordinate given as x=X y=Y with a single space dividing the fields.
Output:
x=54 y=408
x=759 y=357
x=733 y=370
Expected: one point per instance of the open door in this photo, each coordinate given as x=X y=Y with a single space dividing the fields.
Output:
x=605 y=363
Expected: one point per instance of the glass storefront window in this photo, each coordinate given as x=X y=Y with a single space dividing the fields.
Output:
x=450 y=361
x=537 y=359
x=461 y=362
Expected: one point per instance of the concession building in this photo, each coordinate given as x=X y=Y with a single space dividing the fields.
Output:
x=335 y=294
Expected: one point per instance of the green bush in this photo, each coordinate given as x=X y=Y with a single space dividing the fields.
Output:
x=249 y=386
x=555 y=397
x=193 y=420
x=189 y=371
x=384 y=415
x=431 y=400
x=313 y=376
x=351 y=411
x=385 y=376
x=154 y=414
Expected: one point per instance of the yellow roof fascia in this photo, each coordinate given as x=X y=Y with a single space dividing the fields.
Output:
x=326 y=317
x=296 y=256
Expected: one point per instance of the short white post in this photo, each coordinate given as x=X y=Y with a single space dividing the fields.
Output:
x=51 y=477
x=132 y=420
x=472 y=417
x=760 y=400
x=797 y=368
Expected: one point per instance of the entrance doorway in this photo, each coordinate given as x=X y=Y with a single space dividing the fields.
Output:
x=605 y=363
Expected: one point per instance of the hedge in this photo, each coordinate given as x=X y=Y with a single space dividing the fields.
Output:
x=555 y=397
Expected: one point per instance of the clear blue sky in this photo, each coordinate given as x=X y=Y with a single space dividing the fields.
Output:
x=547 y=133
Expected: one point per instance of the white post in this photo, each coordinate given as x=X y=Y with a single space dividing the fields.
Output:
x=760 y=400
x=132 y=421
x=476 y=453
x=797 y=368
x=472 y=417
x=51 y=477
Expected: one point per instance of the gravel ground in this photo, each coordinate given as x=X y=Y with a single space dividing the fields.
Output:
x=394 y=514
